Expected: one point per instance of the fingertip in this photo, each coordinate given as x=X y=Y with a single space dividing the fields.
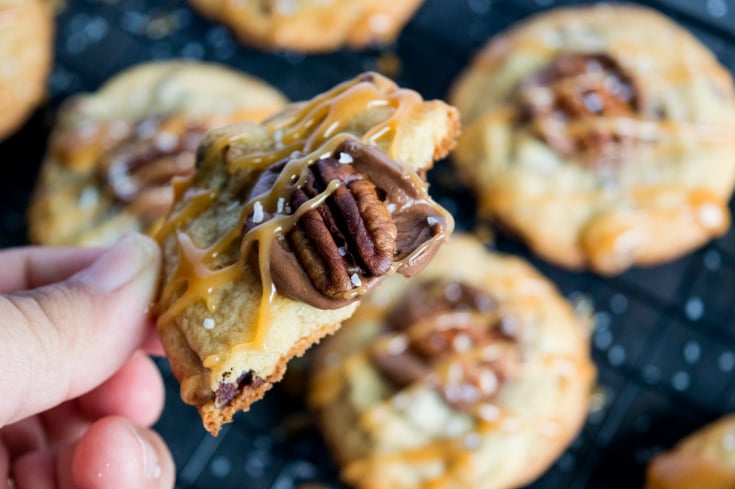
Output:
x=152 y=344
x=135 y=392
x=113 y=453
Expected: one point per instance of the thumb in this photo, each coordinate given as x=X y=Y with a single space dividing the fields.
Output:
x=60 y=341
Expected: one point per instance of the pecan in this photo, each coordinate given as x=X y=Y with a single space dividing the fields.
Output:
x=456 y=343
x=566 y=102
x=341 y=248
x=349 y=238
x=138 y=170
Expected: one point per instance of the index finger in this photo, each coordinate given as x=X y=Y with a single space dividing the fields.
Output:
x=34 y=266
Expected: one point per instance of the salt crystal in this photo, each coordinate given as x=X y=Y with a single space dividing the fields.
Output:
x=344 y=158
x=257 y=212
x=355 y=280
x=208 y=323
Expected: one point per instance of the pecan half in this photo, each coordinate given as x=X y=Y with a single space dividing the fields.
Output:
x=340 y=249
x=566 y=102
x=349 y=238
x=457 y=342
x=138 y=171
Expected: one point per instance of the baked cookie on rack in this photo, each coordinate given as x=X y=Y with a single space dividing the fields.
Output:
x=113 y=154
x=26 y=51
x=703 y=460
x=312 y=25
x=286 y=225
x=602 y=136
x=475 y=374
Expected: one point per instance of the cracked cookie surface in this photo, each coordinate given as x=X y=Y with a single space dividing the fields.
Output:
x=601 y=136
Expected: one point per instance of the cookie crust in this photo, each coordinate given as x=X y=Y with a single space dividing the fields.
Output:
x=218 y=321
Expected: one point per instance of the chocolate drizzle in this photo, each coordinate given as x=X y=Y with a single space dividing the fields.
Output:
x=451 y=335
x=565 y=103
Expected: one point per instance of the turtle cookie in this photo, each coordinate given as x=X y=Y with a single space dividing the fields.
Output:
x=475 y=374
x=286 y=225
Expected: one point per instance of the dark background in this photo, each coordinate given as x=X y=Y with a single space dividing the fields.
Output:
x=664 y=339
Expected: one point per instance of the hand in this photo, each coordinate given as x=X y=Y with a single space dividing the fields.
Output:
x=76 y=391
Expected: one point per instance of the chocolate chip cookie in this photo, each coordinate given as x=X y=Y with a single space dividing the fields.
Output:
x=286 y=225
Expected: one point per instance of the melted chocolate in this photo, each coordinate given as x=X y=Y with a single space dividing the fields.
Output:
x=416 y=217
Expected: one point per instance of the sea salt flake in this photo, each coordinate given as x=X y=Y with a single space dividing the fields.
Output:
x=355 y=279
x=345 y=159
x=208 y=323
x=258 y=212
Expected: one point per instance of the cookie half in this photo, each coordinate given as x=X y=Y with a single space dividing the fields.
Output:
x=312 y=25
x=602 y=136
x=26 y=45
x=476 y=373
x=113 y=153
x=286 y=225
x=705 y=460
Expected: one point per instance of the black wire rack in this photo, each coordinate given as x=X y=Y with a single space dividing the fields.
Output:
x=664 y=337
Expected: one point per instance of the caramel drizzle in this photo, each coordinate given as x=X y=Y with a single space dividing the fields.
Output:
x=313 y=131
x=455 y=452
x=452 y=450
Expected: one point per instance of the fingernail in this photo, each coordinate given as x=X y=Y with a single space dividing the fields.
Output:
x=121 y=264
x=151 y=465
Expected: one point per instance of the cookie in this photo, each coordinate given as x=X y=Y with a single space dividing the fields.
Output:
x=26 y=44
x=113 y=154
x=312 y=25
x=286 y=225
x=601 y=136
x=705 y=460
x=476 y=374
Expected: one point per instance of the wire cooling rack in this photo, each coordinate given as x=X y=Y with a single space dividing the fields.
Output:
x=664 y=338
